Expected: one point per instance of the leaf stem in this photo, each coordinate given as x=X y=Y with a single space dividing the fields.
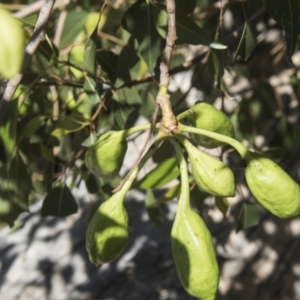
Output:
x=243 y=151
x=126 y=183
x=185 y=185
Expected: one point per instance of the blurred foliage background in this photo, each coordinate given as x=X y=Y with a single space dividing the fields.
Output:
x=98 y=69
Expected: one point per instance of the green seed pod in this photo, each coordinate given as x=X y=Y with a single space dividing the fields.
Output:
x=212 y=175
x=271 y=186
x=12 y=39
x=205 y=116
x=192 y=247
x=106 y=155
x=107 y=234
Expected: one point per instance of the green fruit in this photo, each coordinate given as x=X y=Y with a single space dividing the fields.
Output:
x=192 y=247
x=106 y=155
x=205 y=116
x=12 y=44
x=212 y=175
x=271 y=186
x=107 y=234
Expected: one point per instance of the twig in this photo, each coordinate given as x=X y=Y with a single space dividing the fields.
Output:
x=34 y=41
x=36 y=6
x=169 y=122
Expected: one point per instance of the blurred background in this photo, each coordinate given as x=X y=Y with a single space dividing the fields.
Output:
x=87 y=78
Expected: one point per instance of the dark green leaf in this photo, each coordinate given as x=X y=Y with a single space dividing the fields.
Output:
x=247 y=43
x=31 y=127
x=164 y=173
x=108 y=61
x=186 y=6
x=216 y=68
x=153 y=210
x=15 y=186
x=127 y=60
x=222 y=204
x=8 y=128
x=249 y=216
x=59 y=202
x=140 y=21
x=188 y=32
x=287 y=14
x=48 y=176
x=93 y=183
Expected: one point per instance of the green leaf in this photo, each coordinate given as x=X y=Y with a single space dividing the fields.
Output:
x=89 y=54
x=123 y=114
x=170 y=194
x=74 y=23
x=31 y=127
x=91 y=87
x=216 y=68
x=153 y=210
x=139 y=20
x=249 y=216
x=287 y=14
x=68 y=124
x=8 y=128
x=164 y=173
x=59 y=202
x=186 y=7
x=247 y=43
x=108 y=61
x=48 y=176
x=46 y=152
x=127 y=60
x=222 y=204
x=93 y=183
x=15 y=187
x=188 y=32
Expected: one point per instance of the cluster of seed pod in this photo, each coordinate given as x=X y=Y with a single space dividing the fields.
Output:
x=192 y=245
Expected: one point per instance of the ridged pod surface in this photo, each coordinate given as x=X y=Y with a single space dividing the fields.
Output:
x=107 y=233
x=212 y=175
x=206 y=116
x=12 y=39
x=272 y=186
x=193 y=249
x=106 y=155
